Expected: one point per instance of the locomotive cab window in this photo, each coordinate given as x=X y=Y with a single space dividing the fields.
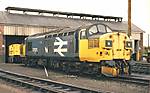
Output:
x=101 y=28
x=108 y=29
x=83 y=34
x=93 y=30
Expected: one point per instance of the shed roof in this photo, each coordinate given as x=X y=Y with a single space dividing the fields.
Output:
x=40 y=20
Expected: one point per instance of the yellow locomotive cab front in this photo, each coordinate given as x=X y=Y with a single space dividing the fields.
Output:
x=120 y=46
x=101 y=45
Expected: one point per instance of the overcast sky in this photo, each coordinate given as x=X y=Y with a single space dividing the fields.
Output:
x=140 y=9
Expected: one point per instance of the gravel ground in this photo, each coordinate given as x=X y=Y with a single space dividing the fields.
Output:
x=8 y=88
x=112 y=86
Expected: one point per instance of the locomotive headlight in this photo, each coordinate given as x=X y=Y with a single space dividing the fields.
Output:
x=128 y=44
x=108 y=43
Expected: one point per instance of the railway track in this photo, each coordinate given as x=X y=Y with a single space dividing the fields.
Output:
x=48 y=86
x=140 y=81
x=43 y=85
x=134 y=79
x=137 y=80
x=139 y=67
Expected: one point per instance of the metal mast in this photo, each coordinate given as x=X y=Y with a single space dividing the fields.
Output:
x=129 y=18
x=148 y=42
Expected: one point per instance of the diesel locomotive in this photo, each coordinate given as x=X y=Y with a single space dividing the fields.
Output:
x=16 y=52
x=92 y=48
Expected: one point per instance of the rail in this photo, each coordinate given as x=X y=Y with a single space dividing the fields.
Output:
x=139 y=67
x=43 y=85
x=134 y=80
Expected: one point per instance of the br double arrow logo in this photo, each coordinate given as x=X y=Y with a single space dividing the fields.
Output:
x=60 y=43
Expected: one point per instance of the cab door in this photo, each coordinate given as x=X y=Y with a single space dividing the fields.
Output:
x=89 y=44
x=83 y=45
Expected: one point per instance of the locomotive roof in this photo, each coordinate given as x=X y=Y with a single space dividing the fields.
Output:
x=63 y=30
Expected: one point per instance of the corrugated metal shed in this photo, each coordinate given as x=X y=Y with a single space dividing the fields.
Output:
x=23 y=30
x=40 y=20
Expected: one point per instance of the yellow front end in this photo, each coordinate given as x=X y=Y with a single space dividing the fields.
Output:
x=10 y=50
x=118 y=45
x=110 y=46
x=14 y=50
